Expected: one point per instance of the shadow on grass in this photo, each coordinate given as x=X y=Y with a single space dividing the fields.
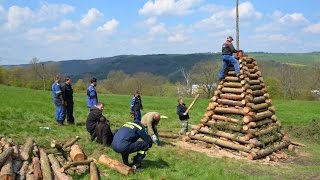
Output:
x=165 y=143
x=159 y=164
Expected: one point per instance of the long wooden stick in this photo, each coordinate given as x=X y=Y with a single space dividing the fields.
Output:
x=192 y=104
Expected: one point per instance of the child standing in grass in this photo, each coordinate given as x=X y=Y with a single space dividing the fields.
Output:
x=181 y=109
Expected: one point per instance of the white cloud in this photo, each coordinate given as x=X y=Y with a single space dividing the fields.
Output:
x=151 y=21
x=91 y=16
x=247 y=11
x=109 y=27
x=66 y=25
x=168 y=7
x=18 y=16
x=294 y=18
x=177 y=38
x=35 y=33
x=53 y=11
x=69 y=37
x=158 y=29
x=314 y=28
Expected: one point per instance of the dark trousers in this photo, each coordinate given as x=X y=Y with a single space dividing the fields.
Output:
x=103 y=134
x=69 y=109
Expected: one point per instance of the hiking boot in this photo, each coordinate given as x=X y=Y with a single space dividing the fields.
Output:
x=125 y=159
x=136 y=163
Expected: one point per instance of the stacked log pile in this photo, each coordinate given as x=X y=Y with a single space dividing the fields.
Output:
x=32 y=162
x=240 y=115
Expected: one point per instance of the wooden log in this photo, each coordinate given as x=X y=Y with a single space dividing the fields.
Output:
x=45 y=165
x=35 y=151
x=167 y=135
x=76 y=153
x=27 y=149
x=256 y=87
x=5 y=155
x=21 y=175
x=248 y=98
x=258 y=93
x=214 y=99
x=250 y=66
x=232 y=102
x=232 y=84
x=269 y=139
x=269 y=150
x=254 y=82
x=254 y=75
x=263 y=122
x=266 y=131
x=94 y=173
x=56 y=168
x=297 y=144
x=224 y=118
x=230 y=127
x=249 y=126
x=16 y=152
x=115 y=165
x=232 y=90
x=76 y=163
x=262 y=115
x=36 y=168
x=220 y=142
x=258 y=107
x=221 y=110
x=192 y=104
x=232 y=79
x=259 y=100
x=272 y=109
x=212 y=105
x=247 y=119
x=233 y=96
x=7 y=170
x=71 y=142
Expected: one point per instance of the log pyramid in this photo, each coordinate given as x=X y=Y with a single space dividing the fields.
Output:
x=240 y=115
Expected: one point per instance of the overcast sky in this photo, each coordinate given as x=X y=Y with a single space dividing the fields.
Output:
x=73 y=29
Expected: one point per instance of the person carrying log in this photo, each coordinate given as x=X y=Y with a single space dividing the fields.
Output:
x=228 y=59
x=67 y=93
x=151 y=121
x=103 y=132
x=136 y=106
x=125 y=141
x=58 y=101
x=181 y=109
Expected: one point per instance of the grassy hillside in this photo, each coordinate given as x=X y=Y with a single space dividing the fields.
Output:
x=24 y=111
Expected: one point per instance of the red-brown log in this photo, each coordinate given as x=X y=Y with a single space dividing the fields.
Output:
x=254 y=82
x=261 y=106
x=56 y=168
x=94 y=173
x=232 y=102
x=7 y=170
x=259 y=100
x=36 y=168
x=23 y=170
x=220 y=110
x=262 y=115
x=212 y=105
x=256 y=87
x=269 y=101
x=115 y=165
x=233 y=96
x=232 y=84
x=232 y=79
x=267 y=96
x=45 y=165
x=232 y=90
x=269 y=150
x=258 y=93
x=76 y=153
x=27 y=149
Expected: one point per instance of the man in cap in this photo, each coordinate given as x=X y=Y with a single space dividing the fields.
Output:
x=227 y=51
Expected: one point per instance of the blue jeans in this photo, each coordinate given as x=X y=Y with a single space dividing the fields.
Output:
x=137 y=115
x=60 y=111
x=227 y=60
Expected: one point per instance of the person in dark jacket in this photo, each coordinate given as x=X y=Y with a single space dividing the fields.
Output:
x=136 y=106
x=125 y=141
x=94 y=117
x=228 y=59
x=67 y=93
x=92 y=96
x=58 y=101
x=181 y=109
x=103 y=132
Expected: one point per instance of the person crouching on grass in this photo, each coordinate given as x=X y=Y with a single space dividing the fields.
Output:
x=181 y=109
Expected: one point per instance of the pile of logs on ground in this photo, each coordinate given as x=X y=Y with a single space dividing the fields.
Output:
x=32 y=162
x=240 y=115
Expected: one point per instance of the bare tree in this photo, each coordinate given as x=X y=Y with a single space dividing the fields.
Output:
x=186 y=75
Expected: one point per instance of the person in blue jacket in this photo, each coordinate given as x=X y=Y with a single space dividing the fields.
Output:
x=125 y=141
x=136 y=106
x=92 y=96
x=58 y=101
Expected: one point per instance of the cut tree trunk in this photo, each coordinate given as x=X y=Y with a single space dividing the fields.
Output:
x=115 y=165
x=45 y=165
x=258 y=100
x=232 y=84
x=232 y=79
x=230 y=127
x=263 y=122
x=232 y=96
x=7 y=170
x=232 y=90
x=27 y=149
x=221 y=110
x=232 y=102
x=192 y=104
x=269 y=150
x=266 y=131
x=76 y=163
x=224 y=118
x=94 y=173
x=254 y=82
x=76 y=153
x=262 y=115
x=220 y=142
x=36 y=168
x=256 y=87
x=5 y=155
x=71 y=142
x=167 y=135
x=56 y=168
x=23 y=170
x=258 y=93
x=258 y=107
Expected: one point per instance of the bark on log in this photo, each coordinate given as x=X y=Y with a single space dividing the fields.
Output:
x=7 y=170
x=269 y=101
x=220 y=142
x=214 y=99
x=233 y=96
x=221 y=110
x=166 y=135
x=212 y=105
x=36 y=168
x=262 y=115
x=256 y=87
x=23 y=170
x=266 y=131
x=56 y=168
x=254 y=82
x=71 y=142
x=297 y=144
x=258 y=93
x=248 y=98
x=232 y=90
x=232 y=102
x=263 y=122
x=247 y=119
x=249 y=126
x=224 y=118
x=45 y=165
x=76 y=153
x=27 y=149
x=272 y=109
x=232 y=84
x=76 y=163
x=259 y=100
x=115 y=165
x=232 y=79
x=94 y=173
x=230 y=127
x=269 y=150
x=258 y=107
x=5 y=155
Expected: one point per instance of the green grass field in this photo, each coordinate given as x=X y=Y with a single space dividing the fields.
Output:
x=24 y=111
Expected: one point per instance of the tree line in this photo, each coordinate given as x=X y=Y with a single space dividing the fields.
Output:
x=288 y=81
